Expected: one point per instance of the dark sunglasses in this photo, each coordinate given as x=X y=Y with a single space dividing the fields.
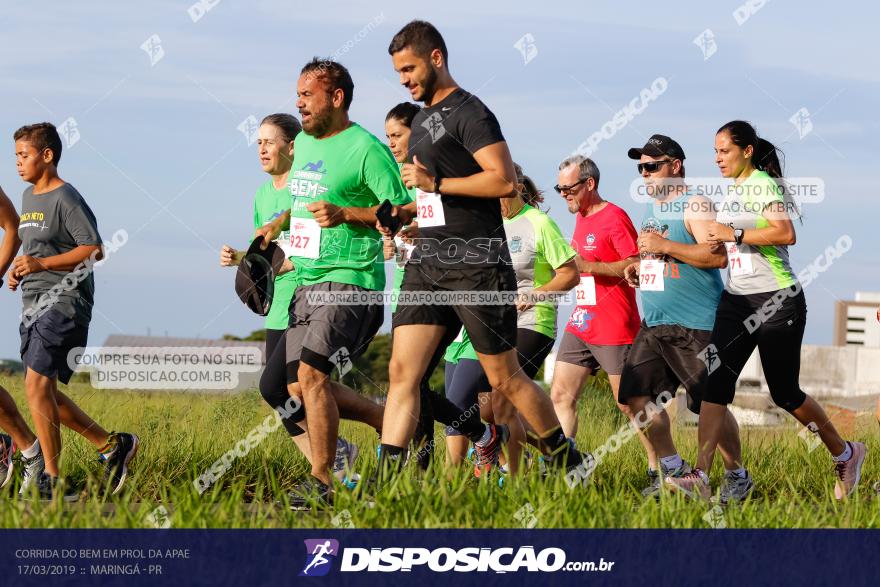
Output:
x=567 y=189
x=651 y=166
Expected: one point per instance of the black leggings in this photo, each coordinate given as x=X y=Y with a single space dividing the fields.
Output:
x=772 y=321
x=276 y=375
x=466 y=379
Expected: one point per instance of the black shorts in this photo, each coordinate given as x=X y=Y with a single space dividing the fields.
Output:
x=662 y=358
x=47 y=341
x=491 y=328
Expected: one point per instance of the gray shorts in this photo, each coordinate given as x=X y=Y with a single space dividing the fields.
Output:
x=610 y=358
x=325 y=336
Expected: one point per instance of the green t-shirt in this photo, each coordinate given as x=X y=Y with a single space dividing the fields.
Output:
x=759 y=268
x=269 y=204
x=351 y=169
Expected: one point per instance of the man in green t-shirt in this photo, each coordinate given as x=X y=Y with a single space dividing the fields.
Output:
x=340 y=175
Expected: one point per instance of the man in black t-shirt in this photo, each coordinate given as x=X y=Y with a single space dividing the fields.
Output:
x=461 y=167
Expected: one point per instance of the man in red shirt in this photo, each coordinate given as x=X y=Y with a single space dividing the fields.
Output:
x=606 y=319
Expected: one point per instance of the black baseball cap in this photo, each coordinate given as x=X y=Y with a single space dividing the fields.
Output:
x=255 y=279
x=658 y=146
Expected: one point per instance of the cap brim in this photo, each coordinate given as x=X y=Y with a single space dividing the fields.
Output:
x=255 y=283
x=649 y=150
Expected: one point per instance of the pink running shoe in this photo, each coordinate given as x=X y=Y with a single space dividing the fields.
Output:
x=694 y=484
x=849 y=472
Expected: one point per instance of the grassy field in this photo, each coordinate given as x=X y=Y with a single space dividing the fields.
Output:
x=184 y=434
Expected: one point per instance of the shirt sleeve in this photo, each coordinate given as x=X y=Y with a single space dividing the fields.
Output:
x=479 y=127
x=624 y=237
x=79 y=220
x=766 y=191
x=382 y=176
x=552 y=245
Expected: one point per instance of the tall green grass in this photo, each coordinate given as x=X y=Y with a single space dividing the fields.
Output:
x=184 y=434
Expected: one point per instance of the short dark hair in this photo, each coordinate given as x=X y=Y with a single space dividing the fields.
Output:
x=420 y=36
x=404 y=112
x=286 y=123
x=335 y=74
x=42 y=135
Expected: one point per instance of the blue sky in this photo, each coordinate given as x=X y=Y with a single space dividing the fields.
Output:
x=160 y=156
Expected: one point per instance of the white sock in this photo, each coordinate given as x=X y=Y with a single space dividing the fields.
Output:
x=845 y=455
x=31 y=451
x=671 y=463
x=741 y=472
x=487 y=434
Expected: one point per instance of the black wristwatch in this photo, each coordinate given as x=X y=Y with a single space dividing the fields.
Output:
x=738 y=235
x=437 y=179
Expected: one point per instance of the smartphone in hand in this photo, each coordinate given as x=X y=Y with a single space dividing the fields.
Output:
x=386 y=219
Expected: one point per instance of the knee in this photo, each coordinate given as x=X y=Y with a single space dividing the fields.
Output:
x=273 y=393
x=311 y=380
x=400 y=371
x=562 y=396
x=788 y=400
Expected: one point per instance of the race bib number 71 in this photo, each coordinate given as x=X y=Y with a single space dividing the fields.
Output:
x=738 y=263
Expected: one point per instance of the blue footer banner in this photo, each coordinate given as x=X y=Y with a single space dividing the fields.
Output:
x=484 y=557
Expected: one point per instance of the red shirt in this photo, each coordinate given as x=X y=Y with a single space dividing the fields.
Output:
x=606 y=236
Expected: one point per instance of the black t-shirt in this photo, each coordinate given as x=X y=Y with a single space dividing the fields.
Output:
x=444 y=138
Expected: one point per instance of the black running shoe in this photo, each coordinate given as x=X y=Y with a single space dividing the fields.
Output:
x=309 y=494
x=50 y=488
x=117 y=454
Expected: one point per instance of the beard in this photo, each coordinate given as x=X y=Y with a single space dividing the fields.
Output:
x=429 y=85
x=318 y=123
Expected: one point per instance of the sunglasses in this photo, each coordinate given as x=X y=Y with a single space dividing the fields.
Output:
x=568 y=189
x=651 y=166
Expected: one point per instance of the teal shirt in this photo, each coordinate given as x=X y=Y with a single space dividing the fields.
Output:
x=690 y=295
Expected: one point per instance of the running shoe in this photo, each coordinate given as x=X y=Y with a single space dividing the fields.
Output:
x=343 y=463
x=693 y=484
x=580 y=473
x=486 y=456
x=121 y=447
x=849 y=472
x=50 y=488
x=735 y=488
x=308 y=494
x=655 y=479
x=32 y=469
x=7 y=449
x=655 y=482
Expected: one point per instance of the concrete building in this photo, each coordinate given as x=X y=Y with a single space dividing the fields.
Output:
x=856 y=321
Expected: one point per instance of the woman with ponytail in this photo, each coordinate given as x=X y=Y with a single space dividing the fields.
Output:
x=763 y=305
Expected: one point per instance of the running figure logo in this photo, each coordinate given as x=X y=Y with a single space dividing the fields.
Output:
x=434 y=125
x=319 y=555
x=710 y=357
